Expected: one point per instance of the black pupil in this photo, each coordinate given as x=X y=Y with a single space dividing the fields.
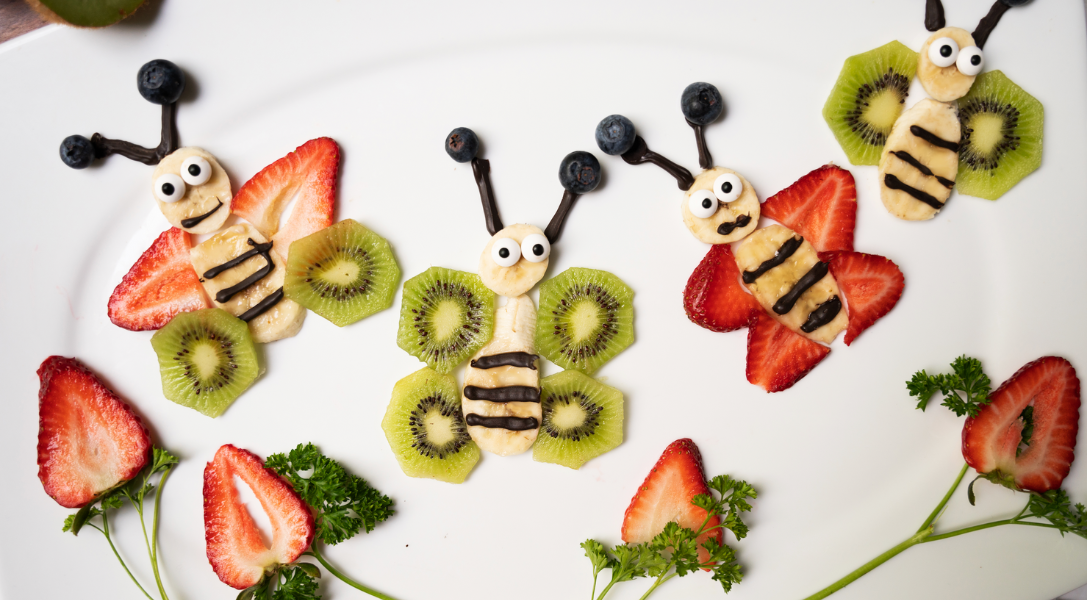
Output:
x=975 y=60
x=538 y=250
x=194 y=170
x=726 y=187
x=706 y=203
x=945 y=51
x=504 y=252
x=168 y=189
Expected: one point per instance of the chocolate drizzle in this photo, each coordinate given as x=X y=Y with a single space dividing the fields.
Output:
x=481 y=169
x=510 y=393
x=263 y=306
x=788 y=301
x=640 y=153
x=511 y=423
x=506 y=359
x=988 y=23
x=704 y=159
x=554 y=228
x=822 y=315
x=934 y=15
x=740 y=222
x=169 y=142
x=225 y=294
x=933 y=139
x=785 y=251
x=194 y=221
x=895 y=183
x=230 y=264
x=913 y=162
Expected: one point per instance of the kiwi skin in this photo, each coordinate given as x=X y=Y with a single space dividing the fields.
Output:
x=564 y=397
x=85 y=13
x=586 y=317
x=437 y=291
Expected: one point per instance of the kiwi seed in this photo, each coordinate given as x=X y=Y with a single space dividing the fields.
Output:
x=586 y=317
x=445 y=317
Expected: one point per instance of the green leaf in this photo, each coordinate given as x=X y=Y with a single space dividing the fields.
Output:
x=970 y=490
x=297 y=584
x=310 y=569
x=1056 y=507
x=247 y=593
x=965 y=390
x=594 y=550
x=75 y=522
x=923 y=387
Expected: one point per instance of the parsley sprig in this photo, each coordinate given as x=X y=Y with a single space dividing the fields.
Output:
x=965 y=389
x=674 y=551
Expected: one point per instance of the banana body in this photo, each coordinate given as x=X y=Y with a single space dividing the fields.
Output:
x=916 y=175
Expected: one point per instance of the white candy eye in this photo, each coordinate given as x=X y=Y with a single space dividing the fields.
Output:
x=195 y=170
x=505 y=252
x=535 y=248
x=169 y=188
x=970 y=61
x=702 y=204
x=943 y=52
x=728 y=187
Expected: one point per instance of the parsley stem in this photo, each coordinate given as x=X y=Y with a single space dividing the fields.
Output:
x=606 y=588
x=656 y=583
x=344 y=578
x=105 y=532
x=1015 y=521
x=917 y=538
x=155 y=532
x=940 y=507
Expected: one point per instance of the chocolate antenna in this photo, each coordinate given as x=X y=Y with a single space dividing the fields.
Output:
x=640 y=153
x=579 y=174
x=702 y=104
x=934 y=15
x=462 y=145
x=989 y=21
x=615 y=135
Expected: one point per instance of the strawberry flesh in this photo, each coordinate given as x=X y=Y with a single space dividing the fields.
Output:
x=89 y=440
x=991 y=439
x=160 y=285
x=308 y=173
x=871 y=285
x=821 y=206
x=714 y=297
x=234 y=546
x=777 y=357
x=666 y=495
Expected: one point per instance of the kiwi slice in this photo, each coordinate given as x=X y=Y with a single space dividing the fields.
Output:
x=445 y=317
x=582 y=419
x=85 y=13
x=426 y=430
x=344 y=272
x=207 y=358
x=868 y=98
x=1001 y=136
x=586 y=317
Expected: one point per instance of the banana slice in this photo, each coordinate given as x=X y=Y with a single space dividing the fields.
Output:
x=945 y=83
x=514 y=332
x=208 y=203
x=918 y=167
x=517 y=278
x=282 y=320
x=794 y=262
x=726 y=224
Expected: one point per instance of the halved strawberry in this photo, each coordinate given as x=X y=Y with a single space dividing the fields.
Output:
x=665 y=496
x=821 y=206
x=777 y=357
x=235 y=549
x=160 y=285
x=308 y=173
x=990 y=440
x=714 y=297
x=871 y=285
x=89 y=440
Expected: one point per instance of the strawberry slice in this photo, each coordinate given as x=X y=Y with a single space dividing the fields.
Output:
x=991 y=440
x=821 y=206
x=714 y=297
x=665 y=496
x=871 y=285
x=777 y=357
x=308 y=173
x=89 y=440
x=160 y=285
x=235 y=549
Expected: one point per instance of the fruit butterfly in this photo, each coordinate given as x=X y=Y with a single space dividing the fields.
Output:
x=977 y=131
x=790 y=270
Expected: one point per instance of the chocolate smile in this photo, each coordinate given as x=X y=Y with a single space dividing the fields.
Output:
x=727 y=228
x=194 y=221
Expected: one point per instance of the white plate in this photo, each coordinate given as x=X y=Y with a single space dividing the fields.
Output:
x=845 y=466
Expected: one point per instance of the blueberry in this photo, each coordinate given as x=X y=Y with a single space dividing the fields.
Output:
x=579 y=172
x=615 y=134
x=77 y=152
x=462 y=144
x=160 y=81
x=701 y=103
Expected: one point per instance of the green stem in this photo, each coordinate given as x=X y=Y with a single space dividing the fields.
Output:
x=155 y=533
x=1016 y=521
x=606 y=588
x=656 y=583
x=344 y=578
x=592 y=594
x=940 y=507
x=917 y=538
x=105 y=532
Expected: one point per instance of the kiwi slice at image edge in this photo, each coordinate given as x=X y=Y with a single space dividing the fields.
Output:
x=207 y=358
x=85 y=13
x=582 y=419
x=426 y=430
x=344 y=272
x=868 y=98
x=1001 y=136
x=445 y=317
x=586 y=317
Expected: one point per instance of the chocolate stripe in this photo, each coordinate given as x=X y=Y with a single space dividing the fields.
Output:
x=913 y=162
x=727 y=228
x=510 y=393
x=263 y=306
x=786 y=302
x=230 y=264
x=933 y=139
x=822 y=315
x=785 y=251
x=194 y=221
x=506 y=359
x=226 y=294
x=511 y=423
x=895 y=183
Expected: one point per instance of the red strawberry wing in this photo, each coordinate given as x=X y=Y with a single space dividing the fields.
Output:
x=821 y=206
x=235 y=549
x=714 y=297
x=871 y=284
x=777 y=357
x=990 y=440
x=160 y=285
x=89 y=440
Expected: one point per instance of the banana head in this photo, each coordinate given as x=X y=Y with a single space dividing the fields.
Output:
x=192 y=190
x=721 y=207
x=950 y=61
x=515 y=260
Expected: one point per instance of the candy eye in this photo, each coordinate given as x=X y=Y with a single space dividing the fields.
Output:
x=169 y=188
x=943 y=52
x=970 y=61
x=728 y=187
x=535 y=248
x=505 y=252
x=702 y=204
x=195 y=170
